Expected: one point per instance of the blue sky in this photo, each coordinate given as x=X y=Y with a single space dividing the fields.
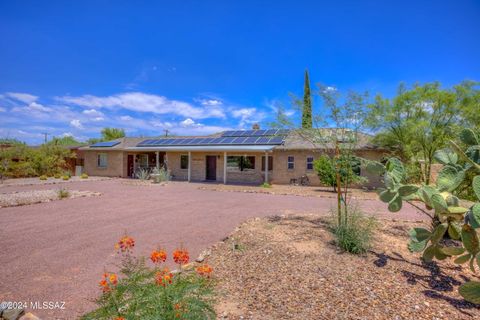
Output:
x=196 y=67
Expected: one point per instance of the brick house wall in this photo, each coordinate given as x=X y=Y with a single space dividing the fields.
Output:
x=116 y=164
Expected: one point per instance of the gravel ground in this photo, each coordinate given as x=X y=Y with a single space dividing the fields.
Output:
x=37 y=196
x=37 y=181
x=288 y=268
x=57 y=251
x=306 y=191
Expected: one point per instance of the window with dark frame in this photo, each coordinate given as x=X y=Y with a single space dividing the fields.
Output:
x=290 y=162
x=102 y=160
x=184 y=162
x=309 y=163
x=241 y=163
x=270 y=163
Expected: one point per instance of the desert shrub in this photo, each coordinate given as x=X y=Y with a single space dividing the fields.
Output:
x=143 y=292
x=57 y=175
x=266 y=185
x=63 y=193
x=142 y=174
x=349 y=169
x=65 y=178
x=160 y=175
x=43 y=177
x=356 y=234
x=84 y=176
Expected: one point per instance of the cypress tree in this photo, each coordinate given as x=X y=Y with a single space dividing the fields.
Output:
x=307 y=104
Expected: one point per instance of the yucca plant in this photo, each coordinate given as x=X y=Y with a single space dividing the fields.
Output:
x=160 y=175
x=442 y=206
x=142 y=174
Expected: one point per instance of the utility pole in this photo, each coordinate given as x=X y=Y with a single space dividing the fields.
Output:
x=45 y=134
x=166 y=132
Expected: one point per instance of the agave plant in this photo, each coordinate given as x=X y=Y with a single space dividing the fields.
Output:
x=442 y=206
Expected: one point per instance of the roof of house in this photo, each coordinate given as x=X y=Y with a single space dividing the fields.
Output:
x=293 y=140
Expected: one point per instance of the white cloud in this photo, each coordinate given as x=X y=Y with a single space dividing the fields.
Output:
x=76 y=123
x=210 y=102
x=142 y=102
x=38 y=107
x=187 y=122
x=93 y=113
x=22 y=97
x=126 y=118
x=3 y=109
x=248 y=116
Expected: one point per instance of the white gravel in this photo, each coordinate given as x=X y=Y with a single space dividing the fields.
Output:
x=36 y=196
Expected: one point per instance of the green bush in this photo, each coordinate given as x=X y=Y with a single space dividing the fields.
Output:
x=160 y=175
x=43 y=177
x=142 y=292
x=63 y=193
x=84 y=176
x=57 y=175
x=356 y=234
x=65 y=178
x=349 y=169
x=266 y=185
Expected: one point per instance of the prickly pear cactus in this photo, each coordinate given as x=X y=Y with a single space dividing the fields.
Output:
x=448 y=217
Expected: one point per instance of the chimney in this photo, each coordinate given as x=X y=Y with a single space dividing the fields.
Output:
x=255 y=126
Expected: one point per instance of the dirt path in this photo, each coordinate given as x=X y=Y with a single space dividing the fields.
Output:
x=57 y=251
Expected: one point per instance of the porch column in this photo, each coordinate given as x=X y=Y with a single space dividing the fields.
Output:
x=166 y=161
x=266 y=167
x=225 y=167
x=189 y=166
x=157 y=154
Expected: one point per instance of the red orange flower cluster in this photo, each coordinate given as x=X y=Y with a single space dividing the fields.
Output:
x=163 y=277
x=181 y=256
x=125 y=244
x=204 y=270
x=158 y=256
x=119 y=318
x=108 y=282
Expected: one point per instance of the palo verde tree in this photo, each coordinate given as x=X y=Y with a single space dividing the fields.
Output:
x=416 y=123
x=335 y=129
x=108 y=134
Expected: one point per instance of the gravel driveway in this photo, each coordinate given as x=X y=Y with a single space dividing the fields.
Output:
x=57 y=251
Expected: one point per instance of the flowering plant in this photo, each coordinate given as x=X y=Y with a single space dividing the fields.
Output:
x=139 y=291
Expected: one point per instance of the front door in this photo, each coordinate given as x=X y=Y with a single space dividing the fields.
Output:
x=130 y=165
x=211 y=173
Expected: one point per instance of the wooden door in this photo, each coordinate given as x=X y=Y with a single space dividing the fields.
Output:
x=130 y=165
x=211 y=171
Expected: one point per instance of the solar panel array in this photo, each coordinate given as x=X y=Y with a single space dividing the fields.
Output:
x=105 y=144
x=255 y=137
x=255 y=133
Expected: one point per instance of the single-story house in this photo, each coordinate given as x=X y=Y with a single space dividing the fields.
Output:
x=243 y=156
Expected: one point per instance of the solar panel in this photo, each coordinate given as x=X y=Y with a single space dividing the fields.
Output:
x=262 y=140
x=276 y=139
x=251 y=140
x=105 y=144
x=258 y=133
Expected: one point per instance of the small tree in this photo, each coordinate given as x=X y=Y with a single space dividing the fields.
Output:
x=349 y=169
x=112 y=133
x=325 y=169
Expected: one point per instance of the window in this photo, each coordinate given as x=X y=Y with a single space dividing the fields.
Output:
x=240 y=163
x=309 y=163
x=270 y=163
x=102 y=160
x=143 y=160
x=291 y=162
x=184 y=161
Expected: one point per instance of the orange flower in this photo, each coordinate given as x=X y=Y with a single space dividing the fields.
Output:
x=108 y=281
x=163 y=277
x=119 y=318
x=204 y=270
x=158 y=256
x=181 y=256
x=125 y=244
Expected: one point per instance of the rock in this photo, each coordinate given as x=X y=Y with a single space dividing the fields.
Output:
x=29 y=316
x=12 y=314
x=203 y=255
